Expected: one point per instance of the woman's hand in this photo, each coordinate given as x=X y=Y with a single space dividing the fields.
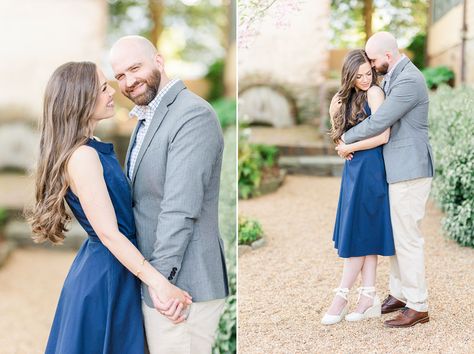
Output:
x=170 y=301
x=344 y=150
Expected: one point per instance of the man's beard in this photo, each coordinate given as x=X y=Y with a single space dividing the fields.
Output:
x=152 y=84
x=383 y=69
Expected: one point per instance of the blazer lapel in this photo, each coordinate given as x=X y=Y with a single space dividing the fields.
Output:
x=397 y=71
x=158 y=117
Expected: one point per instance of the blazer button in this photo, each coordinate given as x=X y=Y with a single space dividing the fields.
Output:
x=175 y=269
x=170 y=278
x=133 y=204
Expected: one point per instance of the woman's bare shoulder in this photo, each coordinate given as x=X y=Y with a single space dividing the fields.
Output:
x=375 y=92
x=84 y=158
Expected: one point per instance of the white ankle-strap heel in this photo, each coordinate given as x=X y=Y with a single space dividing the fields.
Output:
x=333 y=319
x=373 y=311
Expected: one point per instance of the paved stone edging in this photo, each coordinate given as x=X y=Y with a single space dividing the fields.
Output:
x=243 y=249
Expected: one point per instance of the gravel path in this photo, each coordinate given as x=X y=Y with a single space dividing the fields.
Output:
x=30 y=283
x=285 y=287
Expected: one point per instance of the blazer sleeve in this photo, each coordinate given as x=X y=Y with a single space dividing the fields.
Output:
x=403 y=97
x=192 y=154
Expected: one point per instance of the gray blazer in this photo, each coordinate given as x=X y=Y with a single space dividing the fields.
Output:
x=175 y=193
x=408 y=153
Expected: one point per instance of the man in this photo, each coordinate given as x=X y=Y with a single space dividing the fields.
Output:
x=409 y=168
x=173 y=164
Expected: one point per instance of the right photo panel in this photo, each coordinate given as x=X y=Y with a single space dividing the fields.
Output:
x=355 y=176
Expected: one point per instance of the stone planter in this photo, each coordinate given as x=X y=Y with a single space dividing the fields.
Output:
x=243 y=249
x=271 y=183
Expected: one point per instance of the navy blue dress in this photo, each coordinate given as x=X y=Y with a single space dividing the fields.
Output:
x=99 y=310
x=363 y=225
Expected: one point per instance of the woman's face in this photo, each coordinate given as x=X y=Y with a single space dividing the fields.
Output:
x=363 y=78
x=104 y=107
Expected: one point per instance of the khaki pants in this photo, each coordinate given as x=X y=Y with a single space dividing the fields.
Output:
x=407 y=268
x=194 y=336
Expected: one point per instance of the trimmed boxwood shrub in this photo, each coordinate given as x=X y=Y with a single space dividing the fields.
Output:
x=452 y=137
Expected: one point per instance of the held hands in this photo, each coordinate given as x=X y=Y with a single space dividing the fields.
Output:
x=170 y=301
x=344 y=150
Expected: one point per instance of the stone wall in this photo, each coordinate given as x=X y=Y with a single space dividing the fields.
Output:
x=293 y=57
x=37 y=36
x=444 y=41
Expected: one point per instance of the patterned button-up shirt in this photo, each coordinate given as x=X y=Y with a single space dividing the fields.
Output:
x=145 y=115
x=388 y=76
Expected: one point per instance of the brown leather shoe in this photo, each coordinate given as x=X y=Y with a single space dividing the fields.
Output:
x=407 y=318
x=391 y=304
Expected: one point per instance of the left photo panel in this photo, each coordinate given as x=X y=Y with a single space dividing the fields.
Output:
x=118 y=176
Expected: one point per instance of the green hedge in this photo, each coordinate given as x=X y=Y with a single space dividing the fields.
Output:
x=452 y=137
x=226 y=342
x=226 y=333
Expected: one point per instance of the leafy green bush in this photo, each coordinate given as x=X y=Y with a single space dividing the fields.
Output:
x=227 y=331
x=249 y=231
x=417 y=47
x=215 y=75
x=3 y=216
x=253 y=159
x=451 y=132
x=226 y=111
x=437 y=76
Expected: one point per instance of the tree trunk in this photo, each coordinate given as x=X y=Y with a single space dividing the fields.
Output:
x=368 y=11
x=232 y=22
x=156 y=12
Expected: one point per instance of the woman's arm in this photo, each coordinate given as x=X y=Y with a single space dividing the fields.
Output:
x=87 y=182
x=375 y=98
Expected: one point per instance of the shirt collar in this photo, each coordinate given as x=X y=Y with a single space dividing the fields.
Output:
x=147 y=112
x=389 y=74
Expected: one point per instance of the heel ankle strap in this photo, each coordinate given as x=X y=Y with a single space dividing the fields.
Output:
x=366 y=291
x=342 y=292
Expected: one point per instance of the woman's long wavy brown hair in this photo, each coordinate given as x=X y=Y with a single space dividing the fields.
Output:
x=69 y=103
x=352 y=100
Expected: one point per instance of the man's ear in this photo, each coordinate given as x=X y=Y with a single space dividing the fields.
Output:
x=159 y=61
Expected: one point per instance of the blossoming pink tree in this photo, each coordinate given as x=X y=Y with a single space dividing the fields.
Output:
x=252 y=12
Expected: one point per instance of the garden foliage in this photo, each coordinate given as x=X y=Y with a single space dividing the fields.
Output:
x=451 y=133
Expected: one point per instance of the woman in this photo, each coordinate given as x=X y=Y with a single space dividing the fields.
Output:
x=99 y=310
x=363 y=228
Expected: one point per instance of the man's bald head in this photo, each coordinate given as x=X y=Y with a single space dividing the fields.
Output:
x=140 y=47
x=382 y=42
x=382 y=50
